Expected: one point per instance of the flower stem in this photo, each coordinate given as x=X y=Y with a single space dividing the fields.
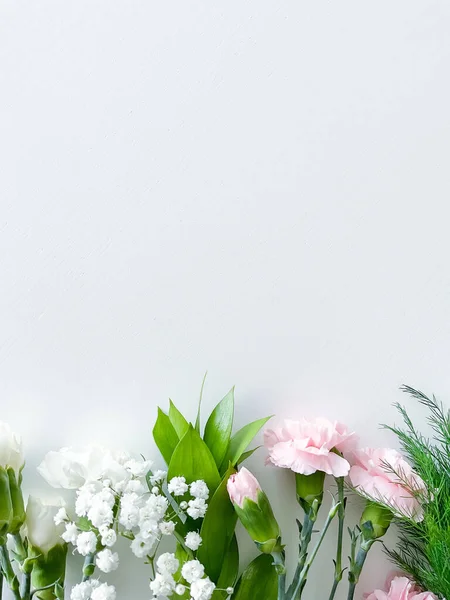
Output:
x=306 y=531
x=8 y=572
x=22 y=555
x=279 y=562
x=357 y=566
x=1 y=584
x=25 y=586
x=20 y=547
x=297 y=594
x=88 y=566
x=338 y=571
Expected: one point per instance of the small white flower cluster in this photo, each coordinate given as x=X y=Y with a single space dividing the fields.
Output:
x=98 y=508
x=192 y=571
x=122 y=504
x=93 y=590
x=147 y=517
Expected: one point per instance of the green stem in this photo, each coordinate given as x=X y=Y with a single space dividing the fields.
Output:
x=20 y=547
x=309 y=561
x=1 y=584
x=279 y=562
x=305 y=539
x=25 y=586
x=88 y=566
x=357 y=566
x=22 y=555
x=8 y=572
x=338 y=571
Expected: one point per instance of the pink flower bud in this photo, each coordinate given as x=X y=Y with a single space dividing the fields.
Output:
x=254 y=511
x=243 y=485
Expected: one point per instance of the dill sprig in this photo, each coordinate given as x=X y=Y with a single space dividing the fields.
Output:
x=423 y=548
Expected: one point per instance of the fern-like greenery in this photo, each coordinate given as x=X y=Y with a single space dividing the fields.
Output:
x=423 y=549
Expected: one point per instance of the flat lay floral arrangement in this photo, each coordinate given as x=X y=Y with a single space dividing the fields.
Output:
x=181 y=520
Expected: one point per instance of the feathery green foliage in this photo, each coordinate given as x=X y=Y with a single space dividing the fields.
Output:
x=423 y=549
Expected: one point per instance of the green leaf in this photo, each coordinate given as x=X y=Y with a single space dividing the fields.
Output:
x=247 y=454
x=217 y=530
x=230 y=570
x=193 y=460
x=259 y=580
x=240 y=441
x=178 y=421
x=218 y=428
x=165 y=436
x=197 y=420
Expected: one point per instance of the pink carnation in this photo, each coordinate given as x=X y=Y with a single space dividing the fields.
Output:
x=307 y=446
x=384 y=475
x=400 y=588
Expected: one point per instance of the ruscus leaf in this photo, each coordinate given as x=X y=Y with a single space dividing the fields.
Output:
x=178 y=421
x=165 y=436
x=240 y=442
x=259 y=580
x=217 y=530
x=193 y=460
x=218 y=427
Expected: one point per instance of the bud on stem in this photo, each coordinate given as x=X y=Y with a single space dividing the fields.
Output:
x=254 y=511
x=375 y=520
x=309 y=489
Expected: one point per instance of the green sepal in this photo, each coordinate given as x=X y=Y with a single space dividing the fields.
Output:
x=309 y=488
x=6 y=507
x=59 y=591
x=375 y=521
x=47 y=570
x=260 y=523
x=18 y=507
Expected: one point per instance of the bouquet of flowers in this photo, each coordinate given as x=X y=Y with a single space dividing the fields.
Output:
x=181 y=519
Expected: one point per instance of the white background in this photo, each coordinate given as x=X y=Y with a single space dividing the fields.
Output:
x=258 y=189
